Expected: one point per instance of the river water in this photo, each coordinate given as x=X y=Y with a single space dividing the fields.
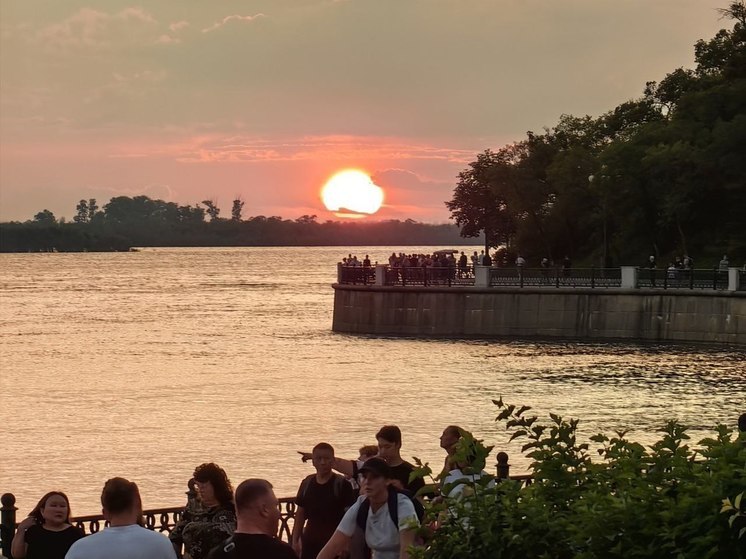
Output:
x=146 y=364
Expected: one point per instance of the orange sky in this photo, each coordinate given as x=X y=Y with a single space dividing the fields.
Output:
x=265 y=99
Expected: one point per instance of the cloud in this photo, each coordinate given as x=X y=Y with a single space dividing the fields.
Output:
x=178 y=25
x=318 y=148
x=228 y=19
x=94 y=28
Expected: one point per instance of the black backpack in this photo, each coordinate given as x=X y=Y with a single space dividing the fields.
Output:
x=393 y=504
x=337 y=480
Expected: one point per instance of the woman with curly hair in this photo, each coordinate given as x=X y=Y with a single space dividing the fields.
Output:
x=47 y=533
x=215 y=520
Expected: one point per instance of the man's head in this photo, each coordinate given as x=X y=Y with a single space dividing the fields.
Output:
x=389 y=442
x=367 y=452
x=322 y=457
x=376 y=475
x=257 y=507
x=121 y=499
x=449 y=438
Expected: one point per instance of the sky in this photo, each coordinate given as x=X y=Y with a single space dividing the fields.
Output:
x=194 y=99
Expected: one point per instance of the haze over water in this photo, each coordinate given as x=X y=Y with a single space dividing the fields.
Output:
x=147 y=364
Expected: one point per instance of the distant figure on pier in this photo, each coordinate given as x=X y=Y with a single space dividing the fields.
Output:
x=47 y=532
x=724 y=264
x=258 y=517
x=463 y=265
x=206 y=528
x=124 y=538
x=366 y=261
x=475 y=259
x=566 y=266
x=520 y=262
x=389 y=518
x=322 y=501
x=651 y=266
x=487 y=260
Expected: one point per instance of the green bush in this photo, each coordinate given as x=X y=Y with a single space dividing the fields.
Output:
x=666 y=500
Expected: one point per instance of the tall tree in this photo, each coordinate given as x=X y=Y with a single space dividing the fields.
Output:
x=212 y=209
x=82 y=212
x=92 y=208
x=237 y=209
x=45 y=217
x=477 y=208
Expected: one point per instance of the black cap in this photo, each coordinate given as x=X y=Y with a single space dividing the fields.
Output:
x=376 y=466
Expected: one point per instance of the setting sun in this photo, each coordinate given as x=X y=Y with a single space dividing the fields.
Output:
x=352 y=193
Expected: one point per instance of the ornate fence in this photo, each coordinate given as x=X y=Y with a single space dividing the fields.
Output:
x=556 y=277
x=430 y=276
x=683 y=279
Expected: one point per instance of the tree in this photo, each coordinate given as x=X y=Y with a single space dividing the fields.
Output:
x=92 y=208
x=212 y=209
x=82 y=215
x=45 y=217
x=237 y=209
x=477 y=208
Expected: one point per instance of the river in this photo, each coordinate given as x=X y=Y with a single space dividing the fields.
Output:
x=146 y=364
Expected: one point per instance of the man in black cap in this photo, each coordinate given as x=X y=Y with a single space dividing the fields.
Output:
x=387 y=516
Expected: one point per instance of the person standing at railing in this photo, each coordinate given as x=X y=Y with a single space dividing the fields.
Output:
x=724 y=264
x=258 y=517
x=651 y=266
x=47 y=533
x=124 y=538
x=463 y=265
x=208 y=527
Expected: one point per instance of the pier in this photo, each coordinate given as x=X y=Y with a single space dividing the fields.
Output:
x=626 y=303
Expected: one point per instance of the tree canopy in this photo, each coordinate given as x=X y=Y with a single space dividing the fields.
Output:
x=663 y=174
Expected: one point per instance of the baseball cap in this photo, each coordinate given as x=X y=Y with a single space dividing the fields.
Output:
x=376 y=466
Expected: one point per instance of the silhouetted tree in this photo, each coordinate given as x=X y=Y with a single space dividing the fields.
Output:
x=237 y=209
x=92 y=208
x=82 y=212
x=46 y=217
x=212 y=209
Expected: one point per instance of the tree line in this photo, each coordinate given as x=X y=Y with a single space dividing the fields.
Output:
x=663 y=175
x=126 y=222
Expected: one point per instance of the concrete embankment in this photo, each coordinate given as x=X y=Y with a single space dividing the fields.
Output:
x=634 y=314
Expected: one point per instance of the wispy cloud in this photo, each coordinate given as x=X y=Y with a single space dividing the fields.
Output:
x=228 y=19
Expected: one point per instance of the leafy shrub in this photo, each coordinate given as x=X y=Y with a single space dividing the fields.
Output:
x=668 y=500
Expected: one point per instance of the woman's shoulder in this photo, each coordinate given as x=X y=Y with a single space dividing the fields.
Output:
x=224 y=514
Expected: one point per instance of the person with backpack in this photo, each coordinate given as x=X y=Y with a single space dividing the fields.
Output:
x=322 y=501
x=388 y=516
x=257 y=520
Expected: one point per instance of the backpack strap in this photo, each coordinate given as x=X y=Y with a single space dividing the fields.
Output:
x=305 y=485
x=226 y=550
x=393 y=503
x=362 y=514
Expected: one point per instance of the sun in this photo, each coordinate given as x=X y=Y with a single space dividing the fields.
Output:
x=352 y=193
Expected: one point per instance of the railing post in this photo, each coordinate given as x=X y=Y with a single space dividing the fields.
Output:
x=733 y=279
x=691 y=278
x=556 y=277
x=7 y=522
x=520 y=277
x=715 y=278
x=593 y=277
x=482 y=276
x=629 y=277
x=381 y=274
x=503 y=468
x=665 y=280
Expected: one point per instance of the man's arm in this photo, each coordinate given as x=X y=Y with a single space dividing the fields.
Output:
x=336 y=545
x=406 y=540
x=342 y=465
x=298 y=523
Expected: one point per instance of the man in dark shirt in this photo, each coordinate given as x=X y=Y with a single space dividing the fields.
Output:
x=389 y=448
x=322 y=501
x=258 y=517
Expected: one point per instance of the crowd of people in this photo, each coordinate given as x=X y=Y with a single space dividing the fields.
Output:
x=368 y=507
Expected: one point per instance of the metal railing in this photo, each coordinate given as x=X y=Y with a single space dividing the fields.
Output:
x=742 y=280
x=429 y=276
x=714 y=279
x=357 y=275
x=556 y=277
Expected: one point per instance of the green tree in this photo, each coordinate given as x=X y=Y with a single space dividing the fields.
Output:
x=92 y=208
x=477 y=208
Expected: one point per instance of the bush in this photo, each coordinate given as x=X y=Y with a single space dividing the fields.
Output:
x=667 y=500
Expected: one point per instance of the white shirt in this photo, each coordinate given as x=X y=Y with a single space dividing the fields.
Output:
x=123 y=542
x=458 y=491
x=380 y=533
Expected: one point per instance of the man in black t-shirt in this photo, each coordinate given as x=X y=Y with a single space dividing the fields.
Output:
x=258 y=517
x=389 y=448
x=322 y=501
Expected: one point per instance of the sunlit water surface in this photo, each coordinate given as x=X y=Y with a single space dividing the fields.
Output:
x=149 y=363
